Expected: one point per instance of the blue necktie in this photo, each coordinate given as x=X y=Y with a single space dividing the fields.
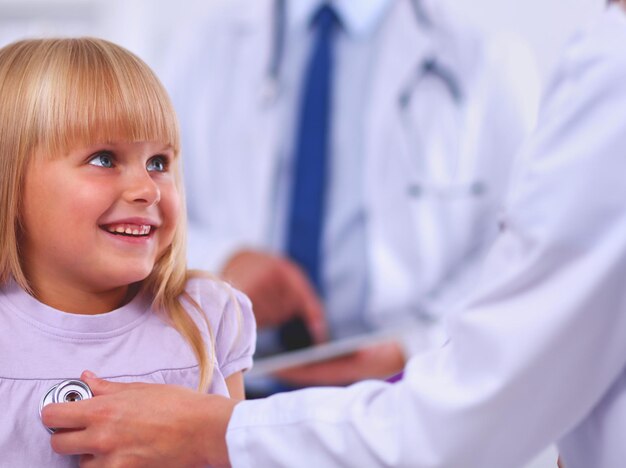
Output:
x=306 y=216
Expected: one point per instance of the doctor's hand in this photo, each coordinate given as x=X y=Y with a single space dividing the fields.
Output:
x=278 y=289
x=381 y=360
x=142 y=425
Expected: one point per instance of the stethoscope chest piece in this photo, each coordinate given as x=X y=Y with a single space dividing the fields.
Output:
x=65 y=392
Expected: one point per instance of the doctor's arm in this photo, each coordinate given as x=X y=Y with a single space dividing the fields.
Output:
x=278 y=288
x=542 y=341
x=140 y=425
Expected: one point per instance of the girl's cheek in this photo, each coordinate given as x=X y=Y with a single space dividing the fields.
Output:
x=171 y=202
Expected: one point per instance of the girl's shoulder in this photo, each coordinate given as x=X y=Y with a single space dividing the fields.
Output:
x=211 y=291
x=217 y=300
x=229 y=314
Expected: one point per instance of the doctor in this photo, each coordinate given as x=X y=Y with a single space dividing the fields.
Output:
x=424 y=117
x=538 y=356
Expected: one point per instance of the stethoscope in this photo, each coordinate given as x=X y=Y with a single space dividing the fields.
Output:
x=429 y=68
x=448 y=183
x=272 y=87
x=455 y=187
x=65 y=392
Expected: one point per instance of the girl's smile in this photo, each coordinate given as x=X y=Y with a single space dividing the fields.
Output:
x=127 y=229
x=97 y=220
x=132 y=230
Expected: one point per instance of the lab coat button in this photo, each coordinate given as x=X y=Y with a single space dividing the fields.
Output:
x=478 y=188
x=415 y=190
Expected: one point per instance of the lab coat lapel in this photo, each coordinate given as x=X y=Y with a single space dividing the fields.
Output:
x=403 y=48
x=254 y=129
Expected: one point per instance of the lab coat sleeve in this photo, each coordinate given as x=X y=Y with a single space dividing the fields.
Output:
x=543 y=338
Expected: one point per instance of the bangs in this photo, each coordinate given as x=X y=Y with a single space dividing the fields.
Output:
x=96 y=92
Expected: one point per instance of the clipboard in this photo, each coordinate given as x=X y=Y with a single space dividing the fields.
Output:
x=341 y=347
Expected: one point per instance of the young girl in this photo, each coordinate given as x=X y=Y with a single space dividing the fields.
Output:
x=92 y=235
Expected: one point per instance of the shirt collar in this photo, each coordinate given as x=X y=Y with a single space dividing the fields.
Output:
x=358 y=17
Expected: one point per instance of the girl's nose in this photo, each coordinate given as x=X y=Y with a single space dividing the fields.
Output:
x=141 y=188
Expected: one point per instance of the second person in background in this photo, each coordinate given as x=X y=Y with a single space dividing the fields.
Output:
x=346 y=161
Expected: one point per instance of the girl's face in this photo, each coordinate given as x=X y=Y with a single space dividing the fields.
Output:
x=97 y=220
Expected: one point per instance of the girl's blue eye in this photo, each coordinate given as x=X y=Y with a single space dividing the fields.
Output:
x=102 y=160
x=157 y=164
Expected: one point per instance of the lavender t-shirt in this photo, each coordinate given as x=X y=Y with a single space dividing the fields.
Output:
x=41 y=346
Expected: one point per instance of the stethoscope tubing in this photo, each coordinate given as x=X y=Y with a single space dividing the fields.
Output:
x=429 y=67
x=271 y=89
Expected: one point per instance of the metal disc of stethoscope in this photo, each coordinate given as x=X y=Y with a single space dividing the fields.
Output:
x=64 y=392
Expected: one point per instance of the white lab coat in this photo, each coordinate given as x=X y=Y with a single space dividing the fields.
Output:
x=539 y=355
x=425 y=222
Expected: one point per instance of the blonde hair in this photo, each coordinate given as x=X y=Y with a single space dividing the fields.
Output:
x=59 y=93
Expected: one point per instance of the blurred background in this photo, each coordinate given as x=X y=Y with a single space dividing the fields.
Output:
x=146 y=26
